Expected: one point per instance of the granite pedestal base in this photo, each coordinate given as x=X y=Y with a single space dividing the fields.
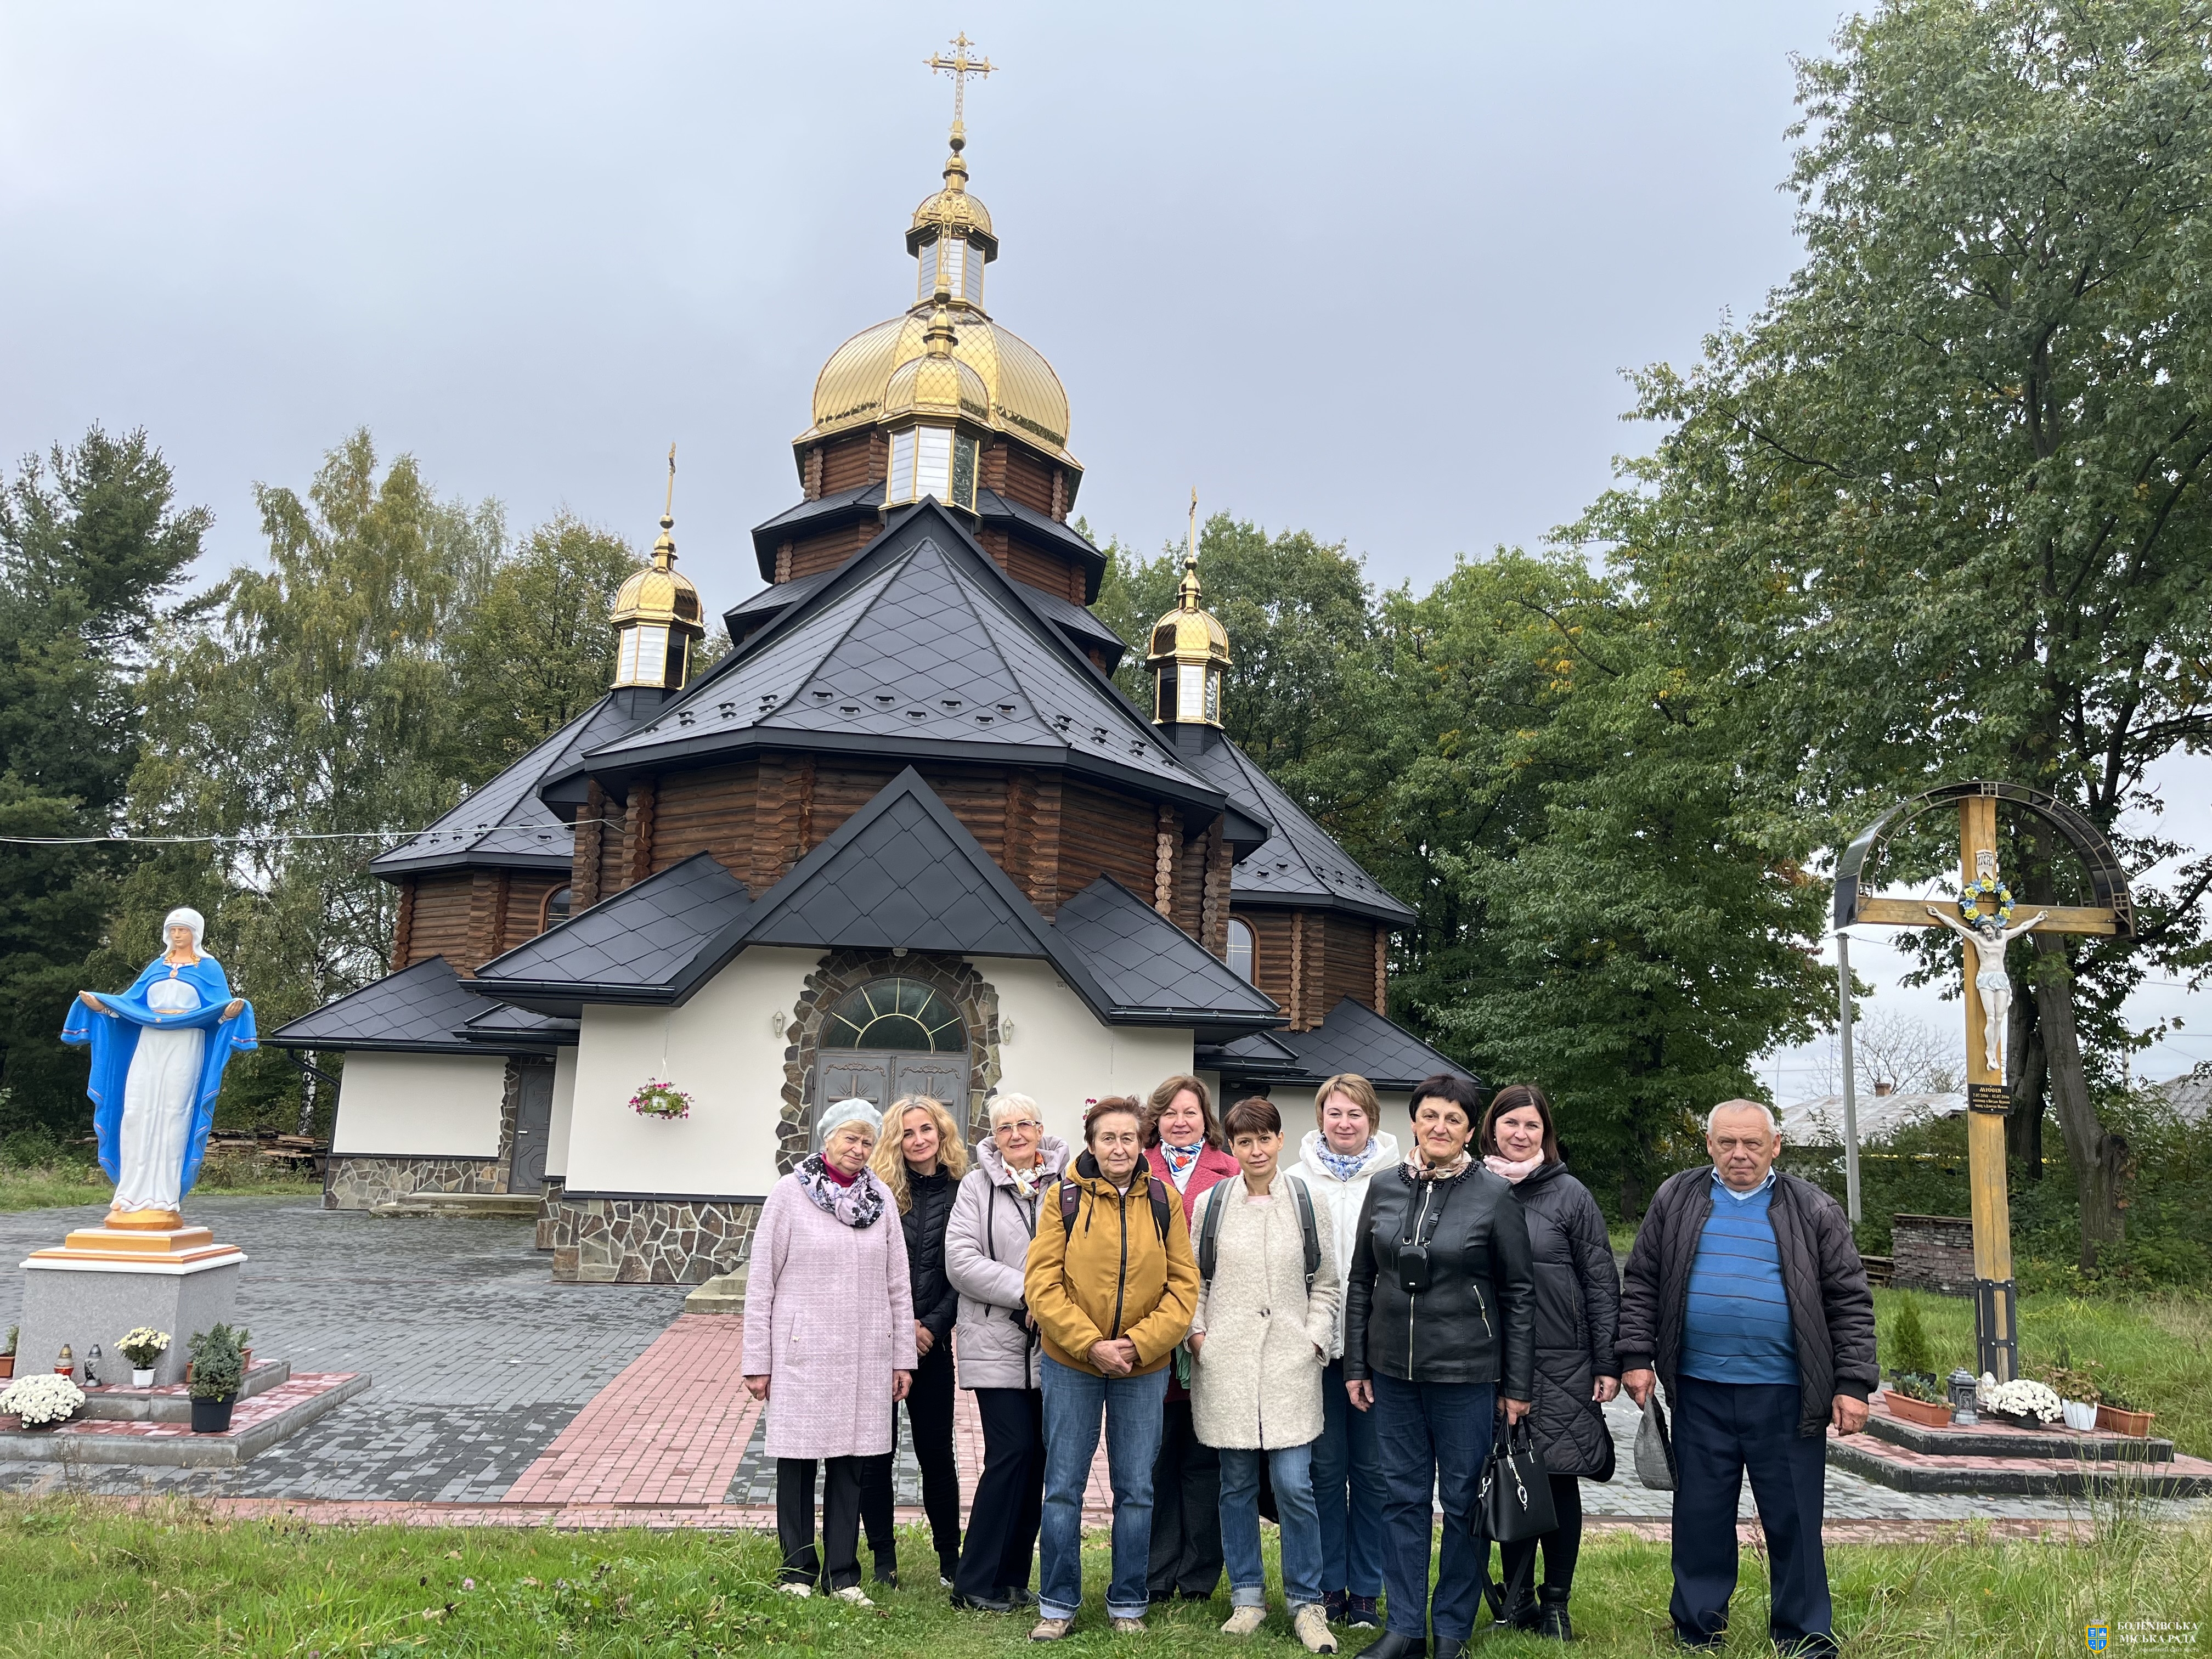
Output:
x=103 y=1282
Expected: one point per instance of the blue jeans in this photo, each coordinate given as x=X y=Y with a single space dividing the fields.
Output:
x=1435 y=1437
x=1290 y=1469
x=1347 y=1471
x=1132 y=1406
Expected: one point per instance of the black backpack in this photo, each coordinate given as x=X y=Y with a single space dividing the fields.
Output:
x=1209 y=1230
x=1070 y=1196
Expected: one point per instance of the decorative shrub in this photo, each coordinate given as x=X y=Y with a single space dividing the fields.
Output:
x=218 y=1364
x=1908 y=1342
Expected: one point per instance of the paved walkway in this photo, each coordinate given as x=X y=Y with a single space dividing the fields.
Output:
x=499 y=1394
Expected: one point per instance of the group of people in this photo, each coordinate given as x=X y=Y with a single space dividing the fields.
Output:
x=1336 y=1338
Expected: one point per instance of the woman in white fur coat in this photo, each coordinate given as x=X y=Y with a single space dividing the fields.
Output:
x=1265 y=1324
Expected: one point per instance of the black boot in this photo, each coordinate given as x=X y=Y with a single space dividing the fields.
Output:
x=1520 y=1614
x=1552 y=1621
x=1453 y=1649
x=1391 y=1645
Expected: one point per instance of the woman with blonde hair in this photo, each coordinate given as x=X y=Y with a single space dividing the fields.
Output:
x=920 y=1158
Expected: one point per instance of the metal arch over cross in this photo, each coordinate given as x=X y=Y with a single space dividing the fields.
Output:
x=960 y=66
x=1983 y=920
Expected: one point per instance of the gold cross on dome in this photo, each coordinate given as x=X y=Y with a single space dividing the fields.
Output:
x=960 y=66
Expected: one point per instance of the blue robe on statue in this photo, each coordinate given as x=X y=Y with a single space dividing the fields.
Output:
x=115 y=1040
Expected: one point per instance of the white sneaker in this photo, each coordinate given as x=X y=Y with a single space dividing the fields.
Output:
x=856 y=1595
x=801 y=1590
x=1245 y=1621
x=1311 y=1623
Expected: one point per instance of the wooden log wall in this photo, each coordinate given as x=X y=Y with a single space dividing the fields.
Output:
x=488 y=896
x=403 y=926
x=1310 y=960
x=812 y=555
x=710 y=810
x=441 y=922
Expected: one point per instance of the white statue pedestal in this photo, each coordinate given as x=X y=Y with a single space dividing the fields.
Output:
x=102 y=1282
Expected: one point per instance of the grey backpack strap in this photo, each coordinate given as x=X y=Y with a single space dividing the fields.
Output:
x=1307 y=1228
x=1209 y=1234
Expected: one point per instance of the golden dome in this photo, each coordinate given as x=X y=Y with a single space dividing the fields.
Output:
x=660 y=593
x=953 y=210
x=938 y=382
x=1189 y=633
x=1023 y=396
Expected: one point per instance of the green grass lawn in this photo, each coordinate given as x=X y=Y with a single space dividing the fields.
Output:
x=2156 y=1343
x=53 y=1186
x=172 y=1581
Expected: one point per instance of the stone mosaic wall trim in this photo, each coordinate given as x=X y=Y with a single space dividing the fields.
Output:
x=952 y=977
x=351 y=1181
x=643 y=1240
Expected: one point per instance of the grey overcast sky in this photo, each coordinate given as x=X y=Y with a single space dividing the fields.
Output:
x=1370 y=271
x=1373 y=270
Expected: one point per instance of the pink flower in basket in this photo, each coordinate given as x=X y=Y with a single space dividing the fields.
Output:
x=658 y=1099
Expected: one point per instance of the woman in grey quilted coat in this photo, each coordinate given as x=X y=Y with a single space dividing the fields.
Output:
x=1578 y=1312
x=986 y=1245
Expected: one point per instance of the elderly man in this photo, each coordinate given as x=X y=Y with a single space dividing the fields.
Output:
x=1746 y=1296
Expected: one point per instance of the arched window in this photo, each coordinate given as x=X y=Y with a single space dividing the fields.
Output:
x=902 y=1014
x=1240 y=949
x=558 y=904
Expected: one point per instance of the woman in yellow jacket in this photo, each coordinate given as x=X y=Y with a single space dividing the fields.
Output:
x=1112 y=1285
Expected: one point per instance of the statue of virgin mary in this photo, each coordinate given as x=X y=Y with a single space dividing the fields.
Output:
x=158 y=1054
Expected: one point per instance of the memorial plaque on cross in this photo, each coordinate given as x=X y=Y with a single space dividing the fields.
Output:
x=1983 y=916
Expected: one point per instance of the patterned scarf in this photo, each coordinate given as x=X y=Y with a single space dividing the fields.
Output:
x=861 y=1204
x=1180 y=1161
x=1026 y=1181
x=1345 y=1166
x=1498 y=1165
x=1417 y=1169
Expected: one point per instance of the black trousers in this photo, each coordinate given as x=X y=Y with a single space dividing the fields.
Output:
x=1000 y=1548
x=929 y=1417
x=1723 y=1431
x=839 y=1563
x=1186 y=1510
x=1562 y=1546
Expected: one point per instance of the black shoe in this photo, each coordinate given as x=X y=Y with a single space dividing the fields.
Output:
x=887 y=1580
x=1331 y=1606
x=1361 y=1610
x=1454 y=1648
x=1712 y=1644
x=980 y=1603
x=1391 y=1645
x=1521 y=1615
x=1019 y=1596
x=1553 y=1622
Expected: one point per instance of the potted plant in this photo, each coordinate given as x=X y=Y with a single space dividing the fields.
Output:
x=44 y=1402
x=143 y=1347
x=2078 y=1391
x=661 y=1100
x=1914 y=1394
x=2117 y=1413
x=2023 y=1401
x=8 y=1359
x=218 y=1368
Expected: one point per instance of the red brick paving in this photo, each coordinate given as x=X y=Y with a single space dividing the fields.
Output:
x=259 y=1408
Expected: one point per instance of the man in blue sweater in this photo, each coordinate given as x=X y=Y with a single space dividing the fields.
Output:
x=1745 y=1294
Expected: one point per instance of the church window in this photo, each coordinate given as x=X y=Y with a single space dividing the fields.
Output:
x=901 y=488
x=932 y=460
x=1240 y=949
x=558 y=904
x=644 y=657
x=960 y=267
x=963 y=470
x=895 y=1013
x=1190 y=695
x=1213 y=696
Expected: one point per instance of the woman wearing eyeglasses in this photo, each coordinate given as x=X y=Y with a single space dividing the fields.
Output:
x=986 y=1245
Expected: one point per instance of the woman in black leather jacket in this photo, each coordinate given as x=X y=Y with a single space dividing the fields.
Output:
x=921 y=1157
x=1440 y=1310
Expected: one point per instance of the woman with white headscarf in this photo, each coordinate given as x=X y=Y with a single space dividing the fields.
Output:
x=155 y=1071
x=829 y=1341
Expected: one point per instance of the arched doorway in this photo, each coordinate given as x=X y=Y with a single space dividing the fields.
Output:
x=888 y=1038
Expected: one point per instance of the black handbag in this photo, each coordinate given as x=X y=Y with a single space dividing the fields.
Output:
x=1515 y=1502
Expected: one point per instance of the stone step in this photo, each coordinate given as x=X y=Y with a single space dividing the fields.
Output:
x=1887 y=1463
x=505 y=1206
x=722 y=1294
x=2000 y=1439
x=172 y=1402
x=272 y=1416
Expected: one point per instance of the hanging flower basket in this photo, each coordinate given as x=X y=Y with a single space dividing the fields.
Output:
x=662 y=1100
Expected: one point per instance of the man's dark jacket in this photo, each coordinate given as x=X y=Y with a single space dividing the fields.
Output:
x=1831 y=1310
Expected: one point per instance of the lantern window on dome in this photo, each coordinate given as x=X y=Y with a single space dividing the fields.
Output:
x=952 y=263
x=651 y=653
x=932 y=460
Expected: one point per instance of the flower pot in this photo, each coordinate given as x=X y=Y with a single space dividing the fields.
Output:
x=2113 y=1420
x=2081 y=1415
x=212 y=1416
x=47 y=1427
x=141 y=1379
x=1928 y=1413
x=2018 y=1419
x=7 y=1365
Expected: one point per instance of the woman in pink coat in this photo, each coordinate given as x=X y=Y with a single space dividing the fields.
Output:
x=829 y=1343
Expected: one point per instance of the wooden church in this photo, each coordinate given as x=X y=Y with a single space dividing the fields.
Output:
x=907 y=836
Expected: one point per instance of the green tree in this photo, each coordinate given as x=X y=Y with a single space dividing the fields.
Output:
x=536 y=650
x=1941 y=506
x=318 y=708
x=93 y=551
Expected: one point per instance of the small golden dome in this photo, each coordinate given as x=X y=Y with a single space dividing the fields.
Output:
x=938 y=382
x=660 y=593
x=953 y=211
x=1189 y=633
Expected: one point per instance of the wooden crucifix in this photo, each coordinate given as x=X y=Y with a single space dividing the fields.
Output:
x=1983 y=916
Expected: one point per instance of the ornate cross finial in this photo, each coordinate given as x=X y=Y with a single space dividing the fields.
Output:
x=1187 y=593
x=663 y=551
x=960 y=66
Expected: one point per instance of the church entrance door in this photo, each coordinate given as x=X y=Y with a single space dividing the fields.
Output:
x=889 y=1038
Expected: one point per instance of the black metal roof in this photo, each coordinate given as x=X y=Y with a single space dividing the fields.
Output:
x=419 y=1010
x=633 y=947
x=1142 y=960
x=506 y=1024
x=1355 y=1038
x=1084 y=631
x=864 y=501
x=1300 y=863
x=505 y=824
x=918 y=646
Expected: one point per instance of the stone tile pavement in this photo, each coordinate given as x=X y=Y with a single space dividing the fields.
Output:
x=589 y=1404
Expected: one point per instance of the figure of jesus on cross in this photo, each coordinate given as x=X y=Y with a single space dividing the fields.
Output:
x=1983 y=919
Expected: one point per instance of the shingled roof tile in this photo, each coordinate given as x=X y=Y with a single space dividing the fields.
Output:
x=418 y=1010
